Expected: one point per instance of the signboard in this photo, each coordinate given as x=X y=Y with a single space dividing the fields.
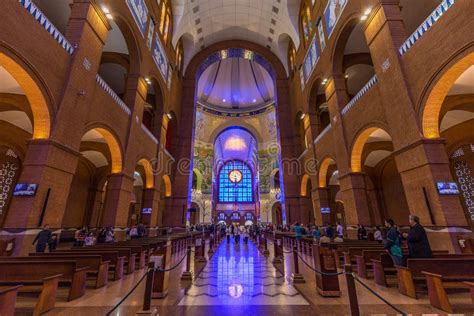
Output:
x=332 y=12
x=151 y=30
x=160 y=59
x=139 y=12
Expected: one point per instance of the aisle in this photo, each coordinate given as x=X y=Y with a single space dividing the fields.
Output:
x=238 y=274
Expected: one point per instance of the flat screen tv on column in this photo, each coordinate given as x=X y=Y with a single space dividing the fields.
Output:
x=325 y=210
x=146 y=210
x=25 y=189
x=447 y=188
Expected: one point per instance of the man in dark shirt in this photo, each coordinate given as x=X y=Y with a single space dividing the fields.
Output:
x=42 y=239
x=418 y=244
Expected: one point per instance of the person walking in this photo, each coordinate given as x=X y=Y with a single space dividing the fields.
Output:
x=42 y=239
x=418 y=244
x=392 y=244
x=340 y=230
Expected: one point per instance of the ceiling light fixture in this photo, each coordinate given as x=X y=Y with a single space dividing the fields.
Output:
x=346 y=76
x=223 y=100
x=169 y=116
x=324 y=81
x=148 y=80
x=254 y=100
x=302 y=116
x=366 y=14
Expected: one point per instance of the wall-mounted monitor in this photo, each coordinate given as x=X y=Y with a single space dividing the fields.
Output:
x=325 y=210
x=146 y=210
x=25 y=189
x=447 y=188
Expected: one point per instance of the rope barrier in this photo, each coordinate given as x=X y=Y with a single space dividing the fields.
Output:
x=378 y=295
x=128 y=294
x=317 y=271
x=172 y=268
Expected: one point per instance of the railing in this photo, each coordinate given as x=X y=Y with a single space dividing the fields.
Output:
x=111 y=92
x=41 y=18
x=323 y=132
x=359 y=94
x=425 y=26
x=147 y=131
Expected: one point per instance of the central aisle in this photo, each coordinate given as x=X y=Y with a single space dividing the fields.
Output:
x=238 y=274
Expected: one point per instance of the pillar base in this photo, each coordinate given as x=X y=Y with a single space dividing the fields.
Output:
x=266 y=252
x=277 y=260
x=187 y=276
x=159 y=294
x=152 y=312
x=297 y=278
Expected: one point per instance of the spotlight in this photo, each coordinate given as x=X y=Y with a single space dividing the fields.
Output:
x=363 y=18
x=169 y=116
x=302 y=116
x=223 y=100
x=105 y=10
x=148 y=80
x=367 y=11
x=324 y=81
x=254 y=100
x=346 y=76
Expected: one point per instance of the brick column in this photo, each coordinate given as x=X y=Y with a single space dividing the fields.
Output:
x=117 y=200
x=354 y=195
x=421 y=162
x=94 y=206
x=321 y=199
x=151 y=198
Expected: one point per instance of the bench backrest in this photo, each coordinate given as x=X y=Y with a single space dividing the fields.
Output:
x=92 y=261
x=111 y=255
x=17 y=270
x=453 y=266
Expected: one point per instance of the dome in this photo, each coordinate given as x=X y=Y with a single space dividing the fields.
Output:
x=235 y=85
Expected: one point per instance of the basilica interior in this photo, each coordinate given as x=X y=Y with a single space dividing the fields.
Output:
x=231 y=157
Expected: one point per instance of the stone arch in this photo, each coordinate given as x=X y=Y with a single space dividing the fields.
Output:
x=359 y=143
x=323 y=171
x=167 y=185
x=446 y=77
x=149 y=178
x=34 y=94
x=114 y=145
x=231 y=123
x=305 y=181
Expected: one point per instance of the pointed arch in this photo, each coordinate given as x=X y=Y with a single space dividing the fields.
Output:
x=114 y=147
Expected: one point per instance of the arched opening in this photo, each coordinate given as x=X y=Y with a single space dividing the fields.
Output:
x=154 y=109
x=328 y=179
x=318 y=110
x=306 y=193
x=372 y=154
x=449 y=114
x=352 y=57
x=120 y=56
x=277 y=214
x=100 y=156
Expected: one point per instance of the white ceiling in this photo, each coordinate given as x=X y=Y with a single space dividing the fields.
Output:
x=8 y=84
x=97 y=158
x=334 y=180
x=17 y=118
x=455 y=117
x=205 y=22
x=464 y=84
x=375 y=157
x=235 y=143
x=93 y=136
x=379 y=135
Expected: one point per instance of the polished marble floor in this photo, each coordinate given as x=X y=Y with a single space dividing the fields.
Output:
x=238 y=274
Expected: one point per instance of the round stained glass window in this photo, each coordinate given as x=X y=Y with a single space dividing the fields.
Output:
x=235 y=176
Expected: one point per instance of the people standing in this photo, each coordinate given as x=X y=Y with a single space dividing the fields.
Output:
x=329 y=231
x=299 y=231
x=42 y=239
x=340 y=230
x=418 y=244
x=361 y=232
x=53 y=242
x=392 y=244
x=316 y=233
x=133 y=232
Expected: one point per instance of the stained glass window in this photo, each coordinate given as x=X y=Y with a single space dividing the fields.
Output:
x=234 y=189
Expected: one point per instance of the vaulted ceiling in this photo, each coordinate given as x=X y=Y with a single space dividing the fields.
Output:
x=270 y=23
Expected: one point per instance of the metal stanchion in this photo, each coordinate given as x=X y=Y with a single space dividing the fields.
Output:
x=351 y=291
x=296 y=276
x=146 y=310
x=188 y=275
x=265 y=251
x=210 y=252
x=276 y=251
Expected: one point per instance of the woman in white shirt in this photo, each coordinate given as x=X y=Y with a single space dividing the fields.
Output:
x=378 y=234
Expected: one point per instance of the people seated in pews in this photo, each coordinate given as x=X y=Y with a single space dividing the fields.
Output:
x=80 y=235
x=329 y=231
x=42 y=239
x=361 y=232
x=316 y=233
x=324 y=239
x=392 y=243
x=417 y=240
x=90 y=239
x=378 y=234
x=338 y=239
x=299 y=231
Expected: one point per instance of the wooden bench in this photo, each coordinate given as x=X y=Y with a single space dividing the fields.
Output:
x=8 y=296
x=116 y=262
x=123 y=252
x=98 y=268
x=137 y=251
x=432 y=272
x=19 y=272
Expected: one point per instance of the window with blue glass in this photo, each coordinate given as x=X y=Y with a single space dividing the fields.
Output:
x=235 y=183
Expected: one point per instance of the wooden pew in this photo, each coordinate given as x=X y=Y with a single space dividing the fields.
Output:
x=123 y=252
x=71 y=274
x=138 y=251
x=8 y=296
x=98 y=268
x=351 y=253
x=364 y=261
x=453 y=268
x=22 y=271
x=116 y=262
